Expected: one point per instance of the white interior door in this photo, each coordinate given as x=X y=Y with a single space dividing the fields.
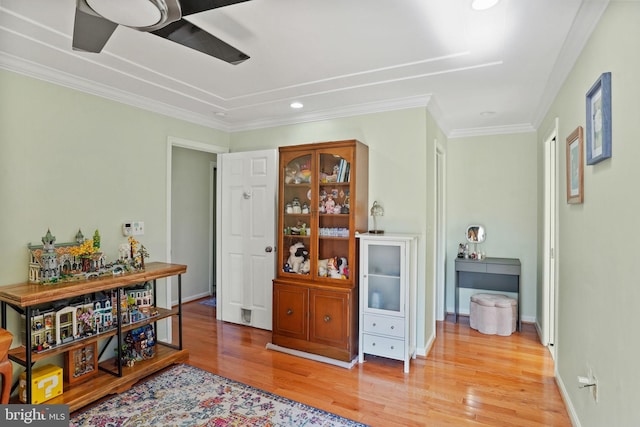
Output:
x=246 y=219
x=549 y=252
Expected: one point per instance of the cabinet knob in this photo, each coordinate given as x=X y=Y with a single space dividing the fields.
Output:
x=290 y=312
x=374 y=325
x=327 y=318
x=373 y=344
x=392 y=327
x=392 y=347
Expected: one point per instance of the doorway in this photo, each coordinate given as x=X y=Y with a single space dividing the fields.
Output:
x=177 y=240
x=548 y=326
x=441 y=238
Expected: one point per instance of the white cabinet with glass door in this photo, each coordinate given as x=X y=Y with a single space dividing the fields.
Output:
x=388 y=296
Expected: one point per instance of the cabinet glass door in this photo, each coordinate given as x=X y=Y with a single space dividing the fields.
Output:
x=333 y=207
x=297 y=250
x=383 y=282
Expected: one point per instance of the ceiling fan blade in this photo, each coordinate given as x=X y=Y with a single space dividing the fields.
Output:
x=187 y=34
x=194 y=6
x=91 y=32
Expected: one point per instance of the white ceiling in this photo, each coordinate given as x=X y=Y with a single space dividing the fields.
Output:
x=338 y=57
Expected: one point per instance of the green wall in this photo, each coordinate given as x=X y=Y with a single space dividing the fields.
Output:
x=598 y=289
x=71 y=160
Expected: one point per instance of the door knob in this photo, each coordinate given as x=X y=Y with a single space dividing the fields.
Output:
x=268 y=249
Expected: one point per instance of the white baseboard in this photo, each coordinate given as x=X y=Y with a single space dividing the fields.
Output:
x=525 y=319
x=316 y=357
x=575 y=421
x=192 y=298
x=427 y=348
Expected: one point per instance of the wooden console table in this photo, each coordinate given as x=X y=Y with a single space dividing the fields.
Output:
x=112 y=377
x=492 y=274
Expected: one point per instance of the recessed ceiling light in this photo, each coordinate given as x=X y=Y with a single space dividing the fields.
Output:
x=221 y=114
x=297 y=105
x=483 y=4
x=488 y=113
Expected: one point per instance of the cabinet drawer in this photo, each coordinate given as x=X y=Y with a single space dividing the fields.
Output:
x=382 y=346
x=471 y=266
x=393 y=326
x=503 y=269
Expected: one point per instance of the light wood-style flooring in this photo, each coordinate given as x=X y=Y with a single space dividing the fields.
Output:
x=467 y=379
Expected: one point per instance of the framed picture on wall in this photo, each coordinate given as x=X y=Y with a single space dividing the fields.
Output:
x=599 y=120
x=575 y=167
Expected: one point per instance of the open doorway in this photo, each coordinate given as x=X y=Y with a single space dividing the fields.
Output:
x=549 y=253
x=441 y=238
x=191 y=210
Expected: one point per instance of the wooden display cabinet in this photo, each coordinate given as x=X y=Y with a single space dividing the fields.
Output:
x=110 y=376
x=322 y=204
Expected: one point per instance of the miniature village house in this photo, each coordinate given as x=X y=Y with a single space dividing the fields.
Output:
x=50 y=262
x=54 y=326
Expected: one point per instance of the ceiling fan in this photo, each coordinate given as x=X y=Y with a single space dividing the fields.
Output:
x=96 y=20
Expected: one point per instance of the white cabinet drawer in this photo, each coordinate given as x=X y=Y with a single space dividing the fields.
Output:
x=383 y=346
x=393 y=326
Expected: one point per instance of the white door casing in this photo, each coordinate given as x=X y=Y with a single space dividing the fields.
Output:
x=441 y=238
x=549 y=242
x=246 y=231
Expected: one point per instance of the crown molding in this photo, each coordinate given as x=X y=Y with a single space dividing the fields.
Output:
x=50 y=75
x=586 y=21
x=336 y=113
x=491 y=130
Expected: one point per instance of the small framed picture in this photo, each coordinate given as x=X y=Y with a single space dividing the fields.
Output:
x=599 y=120
x=81 y=363
x=575 y=167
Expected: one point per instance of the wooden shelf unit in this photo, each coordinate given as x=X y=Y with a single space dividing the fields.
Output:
x=113 y=377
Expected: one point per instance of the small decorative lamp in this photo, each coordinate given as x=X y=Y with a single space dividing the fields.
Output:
x=376 y=211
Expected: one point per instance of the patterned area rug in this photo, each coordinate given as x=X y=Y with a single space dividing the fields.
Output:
x=188 y=396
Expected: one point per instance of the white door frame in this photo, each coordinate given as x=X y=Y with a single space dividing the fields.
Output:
x=192 y=145
x=213 y=227
x=549 y=250
x=441 y=226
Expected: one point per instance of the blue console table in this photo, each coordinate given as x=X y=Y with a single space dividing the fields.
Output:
x=492 y=274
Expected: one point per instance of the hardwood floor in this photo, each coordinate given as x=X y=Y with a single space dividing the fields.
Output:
x=467 y=379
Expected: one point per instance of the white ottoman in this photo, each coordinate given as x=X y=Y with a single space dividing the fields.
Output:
x=493 y=314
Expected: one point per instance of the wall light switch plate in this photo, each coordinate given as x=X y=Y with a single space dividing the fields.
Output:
x=138 y=228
